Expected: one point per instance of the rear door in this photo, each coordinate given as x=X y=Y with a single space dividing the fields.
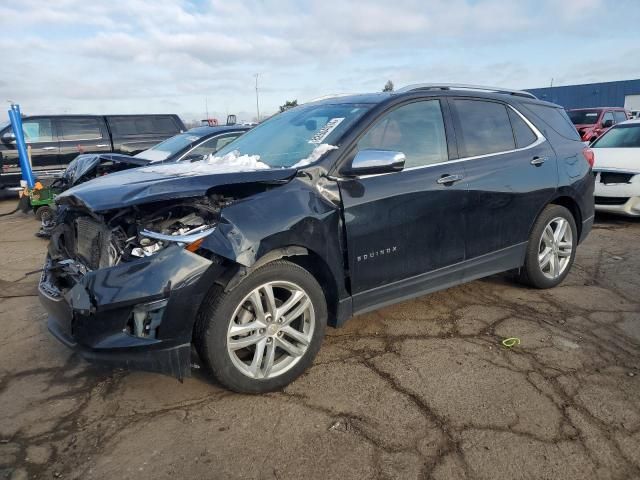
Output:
x=511 y=174
x=404 y=228
x=81 y=134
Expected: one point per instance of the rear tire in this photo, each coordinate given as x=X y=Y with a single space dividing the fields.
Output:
x=551 y=249
x=265 y=332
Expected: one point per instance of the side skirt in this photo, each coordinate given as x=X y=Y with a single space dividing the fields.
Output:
x=446 y=277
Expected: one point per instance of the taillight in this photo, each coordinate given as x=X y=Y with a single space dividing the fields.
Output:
x=589 y=156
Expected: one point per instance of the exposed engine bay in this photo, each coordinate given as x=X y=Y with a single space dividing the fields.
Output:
x=101 y=241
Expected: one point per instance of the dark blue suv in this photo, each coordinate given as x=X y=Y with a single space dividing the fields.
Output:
x=330 y=209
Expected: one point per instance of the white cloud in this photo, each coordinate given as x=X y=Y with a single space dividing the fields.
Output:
x=150 y=55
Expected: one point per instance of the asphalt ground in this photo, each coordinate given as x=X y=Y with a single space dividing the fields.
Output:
x=422 y=389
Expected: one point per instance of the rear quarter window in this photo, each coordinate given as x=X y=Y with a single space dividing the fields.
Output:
x=556 y=118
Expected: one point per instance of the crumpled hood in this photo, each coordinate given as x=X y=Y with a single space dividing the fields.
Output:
x=84 y=163
x=162 y=182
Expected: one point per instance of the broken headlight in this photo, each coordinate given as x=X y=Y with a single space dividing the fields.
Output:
x=187 y=231
x=151 y=242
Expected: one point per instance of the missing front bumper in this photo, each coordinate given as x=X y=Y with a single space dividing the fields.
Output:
x=138 y=315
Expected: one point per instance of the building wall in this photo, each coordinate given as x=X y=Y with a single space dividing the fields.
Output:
x=607 y=94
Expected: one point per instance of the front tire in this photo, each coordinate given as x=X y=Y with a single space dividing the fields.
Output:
x=44 y=213
x=266 y=331
x=551 y=249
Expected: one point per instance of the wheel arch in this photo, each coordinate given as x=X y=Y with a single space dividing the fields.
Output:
x=570 y=204
x=306 y=258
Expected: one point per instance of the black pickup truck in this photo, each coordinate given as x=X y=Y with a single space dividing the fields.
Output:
x=55 y=140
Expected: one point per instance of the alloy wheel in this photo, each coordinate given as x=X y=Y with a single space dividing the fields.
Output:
x=271 y=329
x=555 y=248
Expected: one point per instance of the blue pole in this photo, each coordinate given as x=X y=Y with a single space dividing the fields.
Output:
x=16 y=123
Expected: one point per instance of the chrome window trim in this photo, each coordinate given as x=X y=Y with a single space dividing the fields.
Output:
x=60 y=139
x=540 y=140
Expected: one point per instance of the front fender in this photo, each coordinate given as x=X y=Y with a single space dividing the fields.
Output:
x=294 y=214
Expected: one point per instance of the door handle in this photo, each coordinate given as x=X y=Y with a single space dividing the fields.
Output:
x=102 y=145
x=537 y=161
x=449 y=179
x=49 y=148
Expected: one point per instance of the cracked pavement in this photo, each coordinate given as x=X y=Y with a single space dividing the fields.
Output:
x=422 y=389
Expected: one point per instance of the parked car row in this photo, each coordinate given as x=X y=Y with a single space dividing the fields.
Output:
x=617 y=169
x=55 y=140
x=322 y=212
x=591 y=123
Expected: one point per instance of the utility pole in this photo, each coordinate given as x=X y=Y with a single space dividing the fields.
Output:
x=206 y=108
x=257 y=102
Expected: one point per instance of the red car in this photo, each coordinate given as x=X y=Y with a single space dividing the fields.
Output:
x=593 y=122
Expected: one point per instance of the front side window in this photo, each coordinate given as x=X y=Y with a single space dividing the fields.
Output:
x=290 y=137
x=79 y=129
x=607 y=117
x=485 y=127
x=416 y=129
x=621 y=136
x=37 y=130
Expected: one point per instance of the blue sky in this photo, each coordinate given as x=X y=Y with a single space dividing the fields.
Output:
x=79 y=56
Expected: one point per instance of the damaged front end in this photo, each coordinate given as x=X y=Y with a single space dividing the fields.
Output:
x=124 y=286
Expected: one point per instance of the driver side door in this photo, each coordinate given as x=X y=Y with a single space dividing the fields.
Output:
x=406 y=230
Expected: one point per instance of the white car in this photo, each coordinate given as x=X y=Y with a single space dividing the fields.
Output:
x=617 y=169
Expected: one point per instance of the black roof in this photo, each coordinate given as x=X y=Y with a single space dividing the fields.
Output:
x=379 y=97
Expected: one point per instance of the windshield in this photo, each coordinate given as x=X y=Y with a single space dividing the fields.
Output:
x=289 y=138
x=170 y=146
x=583 y=117
x=620 y=136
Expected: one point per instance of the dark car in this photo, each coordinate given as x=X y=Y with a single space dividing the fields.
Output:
x=193 y=144
x=322 y=212
x=55 y=140
x=188 y=146
x=591 y=123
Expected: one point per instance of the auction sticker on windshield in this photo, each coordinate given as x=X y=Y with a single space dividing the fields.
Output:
x=325 y=131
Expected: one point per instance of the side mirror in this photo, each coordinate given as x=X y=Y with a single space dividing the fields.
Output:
x=231 y=120
x=607 y=123
x=8 y=137
x=368 y=162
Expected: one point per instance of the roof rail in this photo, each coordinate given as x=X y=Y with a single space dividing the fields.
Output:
x=461 y=86
x=326 y=97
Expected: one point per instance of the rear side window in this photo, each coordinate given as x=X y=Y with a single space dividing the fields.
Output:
x=485 y=127
x=619 y=116
x=556 y=118
x=143 y=125
x=524 y=135
x=79 y=129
